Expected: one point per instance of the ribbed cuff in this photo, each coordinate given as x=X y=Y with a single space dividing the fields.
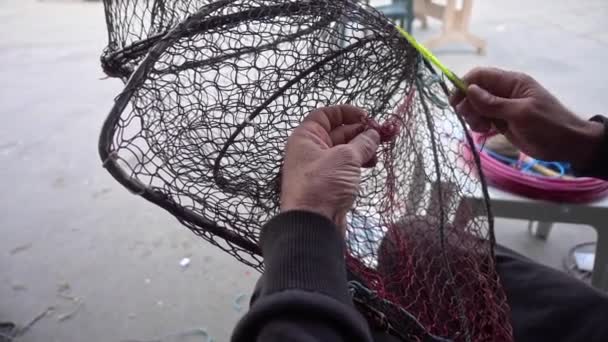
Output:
x=304 y=250
x=599 y=165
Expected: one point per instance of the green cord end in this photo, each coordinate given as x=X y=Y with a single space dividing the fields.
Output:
x=428 y=55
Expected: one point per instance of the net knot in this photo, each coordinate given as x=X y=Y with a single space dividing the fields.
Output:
x=388 y=130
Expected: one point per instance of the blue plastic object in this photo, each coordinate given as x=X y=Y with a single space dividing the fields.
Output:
x=560 y=167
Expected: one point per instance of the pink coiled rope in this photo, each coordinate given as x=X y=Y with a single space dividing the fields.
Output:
x=571 y=190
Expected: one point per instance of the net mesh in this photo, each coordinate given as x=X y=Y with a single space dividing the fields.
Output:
x=213 y=90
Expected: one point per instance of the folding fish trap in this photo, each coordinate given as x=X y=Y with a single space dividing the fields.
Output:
x=212 y=91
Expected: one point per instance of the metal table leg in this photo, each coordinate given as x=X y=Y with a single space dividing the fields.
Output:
x=542 y=229
x=599 y=279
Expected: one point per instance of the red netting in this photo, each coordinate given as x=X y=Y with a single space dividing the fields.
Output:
x=434 y=255
x=215 y=88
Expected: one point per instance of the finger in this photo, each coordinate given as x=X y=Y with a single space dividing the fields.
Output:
x=345 y=133
x=500 y=83
x=496 y=81
x=479 y=124
x=465 y=109
x=457 y=97
x=313 y=131
x=334 y=116
x=485 y=77
x=371 y=163
x=365 y=146
x=485 y=104
x=476 y=120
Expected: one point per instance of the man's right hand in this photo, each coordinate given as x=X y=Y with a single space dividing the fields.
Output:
x=528 y=115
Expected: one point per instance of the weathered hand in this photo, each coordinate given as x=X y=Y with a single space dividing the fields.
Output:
x=323 y=161
x=528 y=115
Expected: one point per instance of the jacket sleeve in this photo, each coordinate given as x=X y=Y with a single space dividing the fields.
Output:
x=304 y=293
x=599 y=166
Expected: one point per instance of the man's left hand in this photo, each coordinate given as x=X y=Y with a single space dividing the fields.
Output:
x=323 y=161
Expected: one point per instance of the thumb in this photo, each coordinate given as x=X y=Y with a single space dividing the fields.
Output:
x=490 y=105
x=365 y=145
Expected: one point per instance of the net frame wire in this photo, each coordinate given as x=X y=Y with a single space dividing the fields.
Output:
x=153 y=47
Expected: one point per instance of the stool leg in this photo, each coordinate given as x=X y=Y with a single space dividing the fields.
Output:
x=419 y=9
x=410 y=15
x=599 y=279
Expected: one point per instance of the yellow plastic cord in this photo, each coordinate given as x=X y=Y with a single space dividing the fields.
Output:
x=428 y=55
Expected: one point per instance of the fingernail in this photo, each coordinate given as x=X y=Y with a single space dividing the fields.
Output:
x=473 y=88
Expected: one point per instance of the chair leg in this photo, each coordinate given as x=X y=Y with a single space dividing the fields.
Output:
x=455 y=26
x=419 y=11
x=542 y=230
x=599 y=278
x=477 y=42
x=410 y=21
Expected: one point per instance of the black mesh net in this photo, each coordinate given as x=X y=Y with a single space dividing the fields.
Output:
x=215 y=88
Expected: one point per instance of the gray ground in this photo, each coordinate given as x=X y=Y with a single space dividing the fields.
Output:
x=68 y=229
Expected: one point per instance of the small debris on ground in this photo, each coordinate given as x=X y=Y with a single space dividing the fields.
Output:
x=238 y=302
x=101 y=192
x=20 y=248
x=21 y=331
x=66 y=316
x=63 y=287
x=7 y=147
x=19 y=287
x=202 y=332
x=63 y=291
x=59 y=183
x=184 y=262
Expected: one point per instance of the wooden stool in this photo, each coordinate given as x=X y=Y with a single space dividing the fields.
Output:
x=455 y=22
